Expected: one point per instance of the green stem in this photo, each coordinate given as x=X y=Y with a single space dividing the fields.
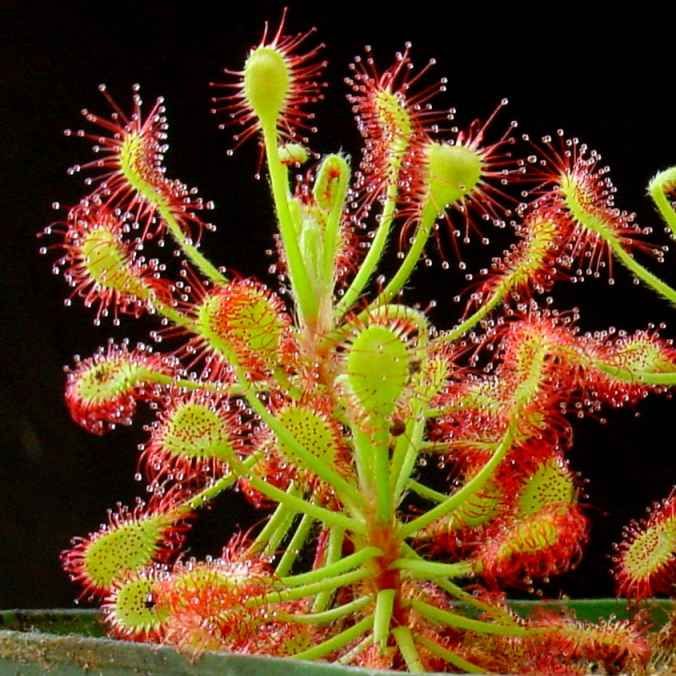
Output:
x=628 y=375
x=375 y=252
x=651 y=280
x=449 y=656
x=596 y=224
x=459 y=331
x=345 y=490
x=400 y=449
x=435 y=447
x=404 y=639
x=524 y=393
x=459 y=593
x=196 y=257
x=459 y=622
x=453 y=589
x=427 y=219
x=296 y=593
x=405 y=456
x=334 y=551
x=285 y=383
x=433 y=569
x=381 y=475
x=219 y=486
x=346 y=563
x=372 y=460
x=272 y=524
x=298 y=504
x=293 y=502
x=336 y=642
x=363 y=460
x=293 y=548
x=426 y=492
x=326 y=616
x=152 y=196
x=298 y=275
x=173 y=315
x=357 y=650
x=382 y=617
x=276 y=537
x=444 y=410
x=407 y=467
x=218 y=388
x=657 y=188
x=332 y=229
x=470 y=488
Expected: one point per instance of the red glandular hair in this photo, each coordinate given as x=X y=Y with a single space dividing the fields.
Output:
x=474 y=411
x=213 y=589
x=103 y=390
x=531 y=265
x=393 y=114
x=452 y=536
x=546 y=543
x=242 y=318
x=136 y=537
x=310 y=422
x=283 y=638
x=192 y=437
x=488 y=200
x=102 y=266
x=480 y=411
x=206 y=600
x=566 y=646
x=129 y=172
x=502 y=654
x=370 y=657
x=131 y=610
x=568 y=167
x=305 y=88
x=555 y=333
x=466 y=528
x=565 y=372
x=643 y=351
x=620 y=645
x=575 y=362
x=645 y=561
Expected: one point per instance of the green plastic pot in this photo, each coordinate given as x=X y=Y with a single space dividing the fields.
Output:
x=68 y=642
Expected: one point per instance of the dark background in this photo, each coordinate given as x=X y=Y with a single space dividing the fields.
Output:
x=608 y=81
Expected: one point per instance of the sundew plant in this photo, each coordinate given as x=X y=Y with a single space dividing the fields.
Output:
x=327 y=399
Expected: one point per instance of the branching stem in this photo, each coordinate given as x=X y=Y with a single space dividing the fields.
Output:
x=449 y=656
x=203 y=264
x=383 y=616
x=327 y=616
x=460 y=622
x=409 y=652
x=658 y=190
x=303 y=591
x=334 y=552
x=346 y=563
x=396 y=284
x=374 y=255
x=336 y=642
x=300 y=280
x=295 y=544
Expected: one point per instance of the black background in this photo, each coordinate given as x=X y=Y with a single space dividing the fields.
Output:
x=608 y=80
